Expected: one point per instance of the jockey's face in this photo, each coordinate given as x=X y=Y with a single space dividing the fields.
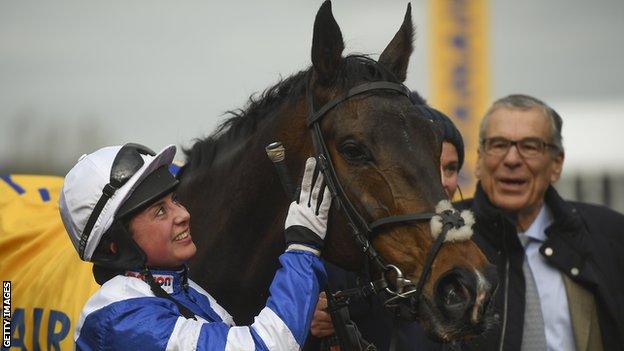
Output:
x=163 y=232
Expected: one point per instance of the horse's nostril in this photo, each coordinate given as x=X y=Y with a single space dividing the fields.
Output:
x=455 y=294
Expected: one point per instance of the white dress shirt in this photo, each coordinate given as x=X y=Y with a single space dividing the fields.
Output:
x=550 y=287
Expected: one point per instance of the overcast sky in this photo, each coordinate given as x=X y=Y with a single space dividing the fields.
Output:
x=76 y=75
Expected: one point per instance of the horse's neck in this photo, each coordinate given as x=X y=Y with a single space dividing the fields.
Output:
x=238 y=213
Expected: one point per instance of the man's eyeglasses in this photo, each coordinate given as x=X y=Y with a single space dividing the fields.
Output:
x=527 y=147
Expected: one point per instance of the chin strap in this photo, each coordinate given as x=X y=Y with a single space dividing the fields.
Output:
x=160 y=292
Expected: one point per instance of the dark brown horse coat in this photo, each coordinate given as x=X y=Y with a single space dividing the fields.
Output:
x=386 y=156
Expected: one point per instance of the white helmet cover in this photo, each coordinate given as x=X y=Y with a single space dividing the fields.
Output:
x=83 y=188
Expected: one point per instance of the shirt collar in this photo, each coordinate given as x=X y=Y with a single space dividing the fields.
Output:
x=537 y=229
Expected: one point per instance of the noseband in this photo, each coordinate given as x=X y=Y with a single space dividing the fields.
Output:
x=403 y=289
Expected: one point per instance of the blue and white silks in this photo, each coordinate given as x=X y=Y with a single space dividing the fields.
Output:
x=125 y=315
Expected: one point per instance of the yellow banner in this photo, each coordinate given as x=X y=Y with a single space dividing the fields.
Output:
x=460 y=81
x=45 y=284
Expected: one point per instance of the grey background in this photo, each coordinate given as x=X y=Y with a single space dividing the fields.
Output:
x=76 y=75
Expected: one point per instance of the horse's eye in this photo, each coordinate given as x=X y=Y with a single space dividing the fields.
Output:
x=353 y=152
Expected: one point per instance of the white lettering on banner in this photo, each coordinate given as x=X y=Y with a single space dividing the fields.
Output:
x=6 y=314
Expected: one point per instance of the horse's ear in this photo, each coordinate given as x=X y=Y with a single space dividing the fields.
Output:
x=395 y=56
x=327 y=44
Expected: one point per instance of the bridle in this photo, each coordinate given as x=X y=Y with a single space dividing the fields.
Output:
x=403 y=290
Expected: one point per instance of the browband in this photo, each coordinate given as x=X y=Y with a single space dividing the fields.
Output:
x=359 y=89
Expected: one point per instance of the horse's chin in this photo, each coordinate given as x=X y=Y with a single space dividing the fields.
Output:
x=441 y=329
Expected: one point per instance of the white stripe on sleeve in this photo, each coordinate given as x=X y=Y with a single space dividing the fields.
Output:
x=273 y=331
x=238 y=339
x=185 y=334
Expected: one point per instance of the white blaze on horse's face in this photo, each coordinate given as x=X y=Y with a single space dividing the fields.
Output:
x=483 y=286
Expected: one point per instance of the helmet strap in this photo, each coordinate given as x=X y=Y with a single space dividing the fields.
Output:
x=128 y=256
x=160 y=292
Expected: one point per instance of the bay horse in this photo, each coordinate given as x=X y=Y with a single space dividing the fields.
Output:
x=386 y=157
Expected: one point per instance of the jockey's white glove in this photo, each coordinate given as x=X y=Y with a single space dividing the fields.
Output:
x=306 y=223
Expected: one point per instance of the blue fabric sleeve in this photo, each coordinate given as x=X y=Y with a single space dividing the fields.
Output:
x=134 y=324
x=295 y=290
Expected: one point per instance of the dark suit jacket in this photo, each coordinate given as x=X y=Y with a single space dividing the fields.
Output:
x=587 y=244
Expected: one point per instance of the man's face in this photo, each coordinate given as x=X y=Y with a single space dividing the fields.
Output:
x=512 y=182
x=163 y=232
x=449 y=166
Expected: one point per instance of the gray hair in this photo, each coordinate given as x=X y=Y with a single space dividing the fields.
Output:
x=525 y=102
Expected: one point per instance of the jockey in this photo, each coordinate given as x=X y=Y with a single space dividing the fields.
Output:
x=120 y=210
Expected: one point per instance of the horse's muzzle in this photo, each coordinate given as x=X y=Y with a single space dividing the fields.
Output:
x=463 y=296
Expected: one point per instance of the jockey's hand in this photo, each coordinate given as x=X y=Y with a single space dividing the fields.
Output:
x=322 y=325
x=306 y=223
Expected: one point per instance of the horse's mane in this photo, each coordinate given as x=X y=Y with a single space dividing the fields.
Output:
x=242 y=123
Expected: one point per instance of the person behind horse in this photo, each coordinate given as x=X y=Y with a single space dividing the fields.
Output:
x=120 y=210
x=452 y=156
x=374 y=321
x=559 y=262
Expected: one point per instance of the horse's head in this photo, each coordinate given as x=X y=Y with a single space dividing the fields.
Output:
x=385 y=155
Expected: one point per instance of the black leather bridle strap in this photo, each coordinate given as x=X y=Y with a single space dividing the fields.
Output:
x=362 y=230
x=401 y=219
x=357 y=221
x=331 y=179
x=431 y=255
x=362 y=88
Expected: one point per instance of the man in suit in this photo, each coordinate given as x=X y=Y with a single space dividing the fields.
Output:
x=560 y=263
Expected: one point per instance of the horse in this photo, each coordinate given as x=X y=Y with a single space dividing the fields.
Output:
x=385 y=156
